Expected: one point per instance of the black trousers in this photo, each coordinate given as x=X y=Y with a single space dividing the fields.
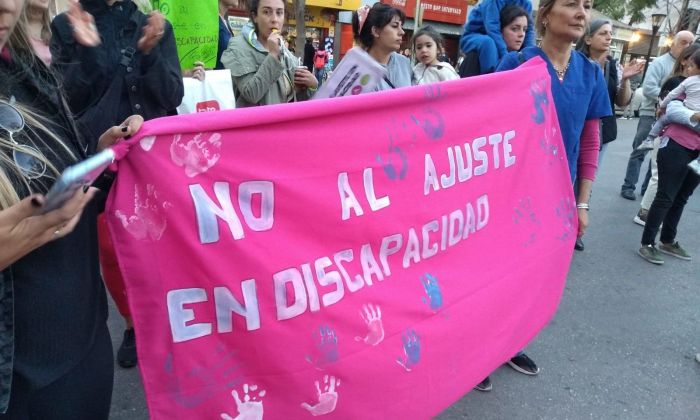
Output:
x=84 y=393
x=676 y=184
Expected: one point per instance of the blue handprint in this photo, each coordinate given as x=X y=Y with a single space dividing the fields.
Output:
x=411 y=349
x=432 y=123
x=538 y=90
x=224 y=373
x=433 y=292
x=327 y=346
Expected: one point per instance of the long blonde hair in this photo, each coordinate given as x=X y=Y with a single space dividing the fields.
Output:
x=39 y=137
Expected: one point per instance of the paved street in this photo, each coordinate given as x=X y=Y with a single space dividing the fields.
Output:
x=621 y=346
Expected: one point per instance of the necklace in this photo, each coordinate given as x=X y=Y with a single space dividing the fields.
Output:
x=562 y=72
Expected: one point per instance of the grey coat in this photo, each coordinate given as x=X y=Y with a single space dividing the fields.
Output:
x=258 y=77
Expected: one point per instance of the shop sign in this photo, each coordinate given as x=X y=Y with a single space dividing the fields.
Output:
x=317 y=17
x=449 y=11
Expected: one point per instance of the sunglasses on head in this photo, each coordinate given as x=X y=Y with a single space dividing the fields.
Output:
x=27 y=158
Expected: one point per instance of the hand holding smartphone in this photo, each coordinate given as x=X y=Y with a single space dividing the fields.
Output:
x=77 y=176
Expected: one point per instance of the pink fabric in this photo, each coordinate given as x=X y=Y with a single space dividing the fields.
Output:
x=685 y=136
x=286 y=307
x=590 y=149
x=110 y=270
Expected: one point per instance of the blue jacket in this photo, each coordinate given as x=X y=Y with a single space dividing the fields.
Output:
x=482 y=32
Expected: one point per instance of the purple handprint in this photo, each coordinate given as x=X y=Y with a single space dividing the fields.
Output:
x=524 y=216
x=326 y=346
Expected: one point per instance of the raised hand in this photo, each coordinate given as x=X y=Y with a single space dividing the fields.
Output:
x=152 y=32
x=273 y=43
x=84 y=29
x=633 y=68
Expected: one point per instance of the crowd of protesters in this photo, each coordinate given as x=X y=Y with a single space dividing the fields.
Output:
x=75 y=85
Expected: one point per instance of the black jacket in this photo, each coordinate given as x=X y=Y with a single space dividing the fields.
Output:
x=52 y=301
x=152 y=83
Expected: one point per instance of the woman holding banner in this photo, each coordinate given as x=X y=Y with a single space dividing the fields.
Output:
x=379 y=30
x=56 y=350
x=264 y=71
x=578 y=89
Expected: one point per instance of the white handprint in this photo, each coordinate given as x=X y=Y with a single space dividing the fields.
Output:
x=149 y=218
x=250 y=408
x=372 y=315
x=327 y=400
x=196 y=155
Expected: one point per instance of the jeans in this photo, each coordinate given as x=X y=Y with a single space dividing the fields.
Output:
x=650 y=190
x=637 y=156
x=676 y=184
x=320 y=74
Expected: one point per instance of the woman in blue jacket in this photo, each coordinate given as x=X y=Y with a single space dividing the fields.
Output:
x=486 y=34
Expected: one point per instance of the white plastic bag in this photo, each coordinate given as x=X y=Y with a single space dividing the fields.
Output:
x=215 y=93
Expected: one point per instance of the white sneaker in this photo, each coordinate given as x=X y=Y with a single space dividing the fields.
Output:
x=695 y=166
x=646 y=145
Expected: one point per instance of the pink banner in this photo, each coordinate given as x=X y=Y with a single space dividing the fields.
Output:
x=372 y=256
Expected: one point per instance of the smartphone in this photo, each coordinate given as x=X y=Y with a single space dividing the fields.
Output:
x=77 y=176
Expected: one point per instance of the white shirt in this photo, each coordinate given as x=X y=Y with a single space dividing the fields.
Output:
x=691 y=88
x=423 y=75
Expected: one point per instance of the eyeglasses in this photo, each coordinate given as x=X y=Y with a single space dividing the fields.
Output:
x=26 y=157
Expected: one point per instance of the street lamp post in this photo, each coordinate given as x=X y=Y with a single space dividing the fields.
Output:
x=656 y=20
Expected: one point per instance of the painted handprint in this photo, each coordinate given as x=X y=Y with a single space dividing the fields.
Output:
x=538 y=90
x=372 y=315
x=431 y=122
x=411 y=349
x=566 y=212
x=432 y=91
x=549 y=146
x=524 y=216
x=326 y=346
x=396 y=165
x=327 y=399
x=198 y=154
x=204 y=381
x=148 y=219
x=250 y=408
x=432 y=290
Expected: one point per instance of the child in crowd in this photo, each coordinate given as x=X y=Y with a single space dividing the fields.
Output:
x=686 y=112
x=427 y=43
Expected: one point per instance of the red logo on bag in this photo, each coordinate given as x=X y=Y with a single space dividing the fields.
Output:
x=208 y=106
